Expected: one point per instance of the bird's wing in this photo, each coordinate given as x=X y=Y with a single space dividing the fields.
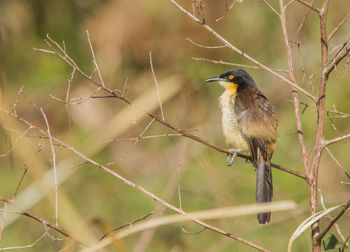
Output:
x=257 y=122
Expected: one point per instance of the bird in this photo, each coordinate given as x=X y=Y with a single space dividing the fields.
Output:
x=249 y=124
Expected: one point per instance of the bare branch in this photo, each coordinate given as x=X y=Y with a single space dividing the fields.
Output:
x=127 y=225
x=335 y=140
x=147 y=137
x=235 y=64
x=336 y=160
x=156 y=83
x=330 y=36
x=330 y=217
x=203 y=46
x=192 y=233
x=94 y=59
x=16 y=141
x=312 y=7
x=227 y=9
x=294 y=91
x=125 y=88
x=336 y=61
x=39 y=219
x=331 y=62
x=26 y=246
x=346 y=207
x=270 y=6
x=54 y=166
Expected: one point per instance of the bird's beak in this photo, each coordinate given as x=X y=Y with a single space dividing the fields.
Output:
x=214 y=79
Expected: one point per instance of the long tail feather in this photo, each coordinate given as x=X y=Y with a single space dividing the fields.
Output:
x=264 y=189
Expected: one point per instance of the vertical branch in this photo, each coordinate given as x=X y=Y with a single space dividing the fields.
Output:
x=294 y=91
x=54 y=166
x=319 y=142
x=94 y=59
x=156 y=83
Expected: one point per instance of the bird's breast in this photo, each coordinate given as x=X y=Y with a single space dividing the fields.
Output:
x=232 y=133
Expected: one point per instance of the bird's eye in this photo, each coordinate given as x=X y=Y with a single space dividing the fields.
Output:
x=230 y=77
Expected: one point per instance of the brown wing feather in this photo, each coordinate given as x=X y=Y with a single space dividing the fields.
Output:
x=257 y=121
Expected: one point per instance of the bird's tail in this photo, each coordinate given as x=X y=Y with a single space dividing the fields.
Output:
x=264 y=188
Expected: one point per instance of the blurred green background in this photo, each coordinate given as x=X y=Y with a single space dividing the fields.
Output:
x=122 y=34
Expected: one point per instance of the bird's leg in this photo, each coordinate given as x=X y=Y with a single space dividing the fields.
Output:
x=231 y=157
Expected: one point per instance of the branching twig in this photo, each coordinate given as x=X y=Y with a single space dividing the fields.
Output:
x=41 y=220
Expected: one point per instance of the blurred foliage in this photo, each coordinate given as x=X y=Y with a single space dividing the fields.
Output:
x=123 y=33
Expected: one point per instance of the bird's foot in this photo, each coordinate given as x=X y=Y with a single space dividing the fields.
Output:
x=231 y=157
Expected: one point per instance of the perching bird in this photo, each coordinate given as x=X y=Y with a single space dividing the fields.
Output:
x=249 y=125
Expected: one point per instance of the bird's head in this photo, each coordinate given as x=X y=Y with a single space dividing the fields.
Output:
x=234 y=80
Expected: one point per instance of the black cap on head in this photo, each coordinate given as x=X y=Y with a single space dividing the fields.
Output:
x=237 y=76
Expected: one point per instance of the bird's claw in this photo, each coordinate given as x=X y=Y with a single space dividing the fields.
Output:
x=231 y=157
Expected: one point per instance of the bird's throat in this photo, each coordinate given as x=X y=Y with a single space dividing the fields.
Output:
x=230 y=88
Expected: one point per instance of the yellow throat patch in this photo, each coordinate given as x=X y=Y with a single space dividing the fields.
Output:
x=230 y=87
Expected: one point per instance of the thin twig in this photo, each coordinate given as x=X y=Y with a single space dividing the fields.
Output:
x=312 y=7
x=336 y=61
x=235 y=64
x=26 y=246
x=227 y=9
x=39 y=219
x=330 y=36
x=126 y=225
x=294 y=91
x=270 y=6
x=192 y=233
x=136 y=141
x=336 y=161
x=336 y=58
x=26 y=167
x=67 y=105
x=125 y=88
x=203 y=46
x=147 y=137
x=54 y=166
x=94 y=59
x=336 y=218
x=15 y=142
x=330 y=217
x=337 y=139
x=156 y=83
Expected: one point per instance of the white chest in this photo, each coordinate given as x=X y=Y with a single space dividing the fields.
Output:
x=229 y=123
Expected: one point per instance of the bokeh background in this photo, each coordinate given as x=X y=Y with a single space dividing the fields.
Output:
x=122 y=34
